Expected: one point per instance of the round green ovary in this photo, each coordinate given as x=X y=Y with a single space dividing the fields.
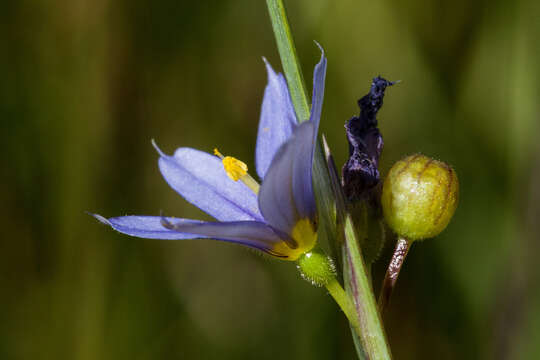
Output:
x=316 y=268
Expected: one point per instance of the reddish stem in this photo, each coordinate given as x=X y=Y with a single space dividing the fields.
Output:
x=392 y=273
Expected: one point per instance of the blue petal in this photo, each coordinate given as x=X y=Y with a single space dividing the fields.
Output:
x=148 y=227
x=319 y=76
x=286 y=194
x=201 y=179
x=254 y=234
x=277 y=121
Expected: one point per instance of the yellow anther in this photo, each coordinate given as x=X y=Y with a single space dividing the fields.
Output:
x=217 y=153
x=235 y=168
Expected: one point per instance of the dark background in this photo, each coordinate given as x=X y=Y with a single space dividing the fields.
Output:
x=86 y=84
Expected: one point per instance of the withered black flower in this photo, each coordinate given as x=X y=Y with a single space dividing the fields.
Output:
x=360 y=172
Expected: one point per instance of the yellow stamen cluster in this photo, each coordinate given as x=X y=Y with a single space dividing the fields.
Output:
x=237 y=170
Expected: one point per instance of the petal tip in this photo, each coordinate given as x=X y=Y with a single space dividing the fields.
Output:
x=320 y=47
x=269 y=70
x=157 y=148
x=165 y=222
x=100 y=218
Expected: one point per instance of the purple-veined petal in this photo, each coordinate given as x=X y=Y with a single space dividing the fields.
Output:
x=319 y=76
x=286 y=194
x=249 y=233
x=148 y=227
x=254 y=234
x=277 y=121
x=201 y=179
x=302 y=173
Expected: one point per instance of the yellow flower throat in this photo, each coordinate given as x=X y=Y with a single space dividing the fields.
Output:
x=305 y=237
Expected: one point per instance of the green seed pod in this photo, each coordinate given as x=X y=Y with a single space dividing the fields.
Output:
x=419 y=197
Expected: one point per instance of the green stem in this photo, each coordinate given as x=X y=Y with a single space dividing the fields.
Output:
x=344 y=302
x=372 y=335
x=289 y=59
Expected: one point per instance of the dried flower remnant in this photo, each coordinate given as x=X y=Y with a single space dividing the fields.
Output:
x=360 y=172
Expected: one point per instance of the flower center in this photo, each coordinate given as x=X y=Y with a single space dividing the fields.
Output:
x=304 y=235
x=237 y=170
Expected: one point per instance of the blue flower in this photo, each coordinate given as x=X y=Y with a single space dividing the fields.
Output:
x=279 y=217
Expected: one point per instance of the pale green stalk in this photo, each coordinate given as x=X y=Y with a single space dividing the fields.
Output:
x=345 y=303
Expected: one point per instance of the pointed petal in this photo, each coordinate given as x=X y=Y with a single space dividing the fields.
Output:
x=148 y=227
x=250 y=233
x=277 y=121
x=286 y=194
x=319 y=76
x=201 y=179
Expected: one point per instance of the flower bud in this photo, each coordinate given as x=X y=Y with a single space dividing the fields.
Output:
x=419 y=197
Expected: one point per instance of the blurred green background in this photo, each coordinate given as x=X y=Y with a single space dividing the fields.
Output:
x=86 y=84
